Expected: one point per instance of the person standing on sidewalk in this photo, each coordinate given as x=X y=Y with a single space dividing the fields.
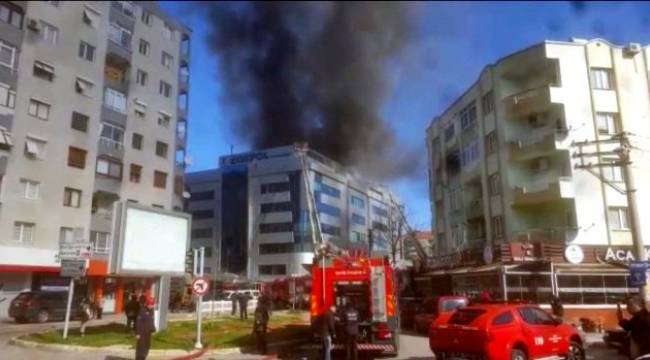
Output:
x=144 y=327
x=638 y=327
x=243 y=306
x=235 y=299
x=85 y=313
x=261 y=321
x=132 y=309
x=326 y=328
x=351 y=322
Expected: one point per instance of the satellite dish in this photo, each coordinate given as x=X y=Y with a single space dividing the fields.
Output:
x=186 y=195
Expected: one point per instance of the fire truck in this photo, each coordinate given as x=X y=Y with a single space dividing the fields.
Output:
x=368 y=284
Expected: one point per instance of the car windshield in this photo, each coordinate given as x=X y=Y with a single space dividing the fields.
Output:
x=465 y=316
x=453 y=304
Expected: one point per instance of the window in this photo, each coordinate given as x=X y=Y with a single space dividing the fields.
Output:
x=90 y=16
x=275 y=207
x=66 y=235
x=208 y=251
x=449 y=132
x=72 y=197
x=136 y=173
x=141 y=77
x=203 y=195
x=77 y=157
x=618 y=218
x=503 y=319
x=30 y=189
x=497 y=226
x=125 y=7
x=115 y=100
x=358 y=219
x=119 y=35
x=330 y=229
x=144 y=47
x=272 y=269
x=495 y=184
x=146 y=17
x=601 y=79
x=468 y=116
x=487 y=102
x=7 y=96
x=7 y=55
x=136 y=141
x=167 y=60
x=274 y=188
x=10 y=14
x=79 y=121
x=282 y=248
x=469 y=154
x=39 y=109
x=112 y=135
x=43 y=71
x=84 y=87
x=161 y=149
x=164 y=120
x=201 y=233
x=49 y=33
x=327 y=190
x=614 y=172
x=357 y=202
x=168 y=31
x=276 y=227
x=86 y=51
x=100 y=242
x=159 y=179
x=535 y=316
x=109 y=167
x=24 y=232
x=35 y=148
x=379 y=211
x=356 y=236
x=455 y=199
x=607 y=123
x=491 y=143
x=165 y=89
x=202 y=214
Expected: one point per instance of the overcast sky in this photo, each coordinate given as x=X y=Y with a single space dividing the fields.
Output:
x=453 y=42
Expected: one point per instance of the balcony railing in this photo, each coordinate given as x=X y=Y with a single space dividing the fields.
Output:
x=533 y=100
x=111 y=144
x=544 y=189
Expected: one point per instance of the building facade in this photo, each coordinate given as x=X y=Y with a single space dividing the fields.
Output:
x=524 y=164
x=254 y=214
x=93 y=109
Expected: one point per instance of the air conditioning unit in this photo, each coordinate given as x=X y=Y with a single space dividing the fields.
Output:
x=33 y=25
x=539 y=165
x=633 y=48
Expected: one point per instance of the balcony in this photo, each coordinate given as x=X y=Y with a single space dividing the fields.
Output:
x=113 y=115
x=534 y=100
x=117 y=50
x=539 y=142
x=121 y=85
x=551 y=235
x=183 y=83
x=543 y=190
x=122 y=15
x=107 y=185
x=474 y=209
x=101 y=220
x=110 y=147
x=9 y=75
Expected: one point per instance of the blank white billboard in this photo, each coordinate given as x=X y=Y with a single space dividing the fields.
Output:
x=152 y=241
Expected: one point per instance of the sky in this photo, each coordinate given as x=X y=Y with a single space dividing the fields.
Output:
x=451 y=45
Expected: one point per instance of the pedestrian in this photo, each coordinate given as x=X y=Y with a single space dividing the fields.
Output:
x=99 y=306
x=235 y=299
x=638 y=327
x=243 y=306
x=85 y=314
x=557 y=309
x=326 y=328
x=351 y=325
x=261 y=321
x=144 y=328
x=132 y=309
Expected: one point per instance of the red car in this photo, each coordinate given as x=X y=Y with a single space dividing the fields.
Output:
x=432 y=308
x=504 y=332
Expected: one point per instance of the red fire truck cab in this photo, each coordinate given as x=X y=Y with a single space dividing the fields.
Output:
x=368 y=284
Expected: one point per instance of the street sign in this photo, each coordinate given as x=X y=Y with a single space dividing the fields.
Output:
x=73 y=268
x=639 y=273
x=75 y=251
x=200 y=286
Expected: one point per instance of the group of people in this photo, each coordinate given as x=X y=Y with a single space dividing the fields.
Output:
x=349 y=319
x=637 y=327
x=240 y=300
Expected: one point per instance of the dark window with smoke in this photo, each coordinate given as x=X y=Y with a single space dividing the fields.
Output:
x=275 y=207
x=487 y=102
x=379 y=211
x=449 y=132
x=273 y=269
x=274 y=188
x=276 y=227
x=327 y=190
x=330 y=229
x=468 y=116
x=282 y=248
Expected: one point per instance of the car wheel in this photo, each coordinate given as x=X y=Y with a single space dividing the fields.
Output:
x=576 y=352
x=518 y=354
x=42 y=316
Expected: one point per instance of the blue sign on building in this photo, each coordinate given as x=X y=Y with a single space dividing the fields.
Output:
x=639 y=273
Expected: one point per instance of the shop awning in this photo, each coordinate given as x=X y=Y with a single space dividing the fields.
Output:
x=589 y=269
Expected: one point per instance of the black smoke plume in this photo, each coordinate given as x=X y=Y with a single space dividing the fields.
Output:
x=314 y=72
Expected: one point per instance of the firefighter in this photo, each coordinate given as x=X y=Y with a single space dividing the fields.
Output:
x=351 y=325
x=243 y=306
x=144 y=327
x=260 y=325
x=326 y=328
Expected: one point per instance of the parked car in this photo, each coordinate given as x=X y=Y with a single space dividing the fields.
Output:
x=41 y=306
x=504 y=332
x=432 y=308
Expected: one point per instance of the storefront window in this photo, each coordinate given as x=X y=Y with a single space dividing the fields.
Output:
x=593 y=289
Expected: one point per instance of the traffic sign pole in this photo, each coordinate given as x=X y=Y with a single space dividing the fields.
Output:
x=200 y=254
x=68 y=308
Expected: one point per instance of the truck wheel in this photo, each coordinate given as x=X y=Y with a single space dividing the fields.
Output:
x=518 y=354
x=576 y=352
x=438 y=355
x=42 y=316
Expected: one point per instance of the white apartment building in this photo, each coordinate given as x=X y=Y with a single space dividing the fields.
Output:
x=503 y=157
x=93 y=109
x=252 y=213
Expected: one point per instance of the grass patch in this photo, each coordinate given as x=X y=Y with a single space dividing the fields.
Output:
x=217 y=333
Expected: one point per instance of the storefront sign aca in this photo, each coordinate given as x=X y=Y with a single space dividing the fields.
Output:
x=625 y=255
